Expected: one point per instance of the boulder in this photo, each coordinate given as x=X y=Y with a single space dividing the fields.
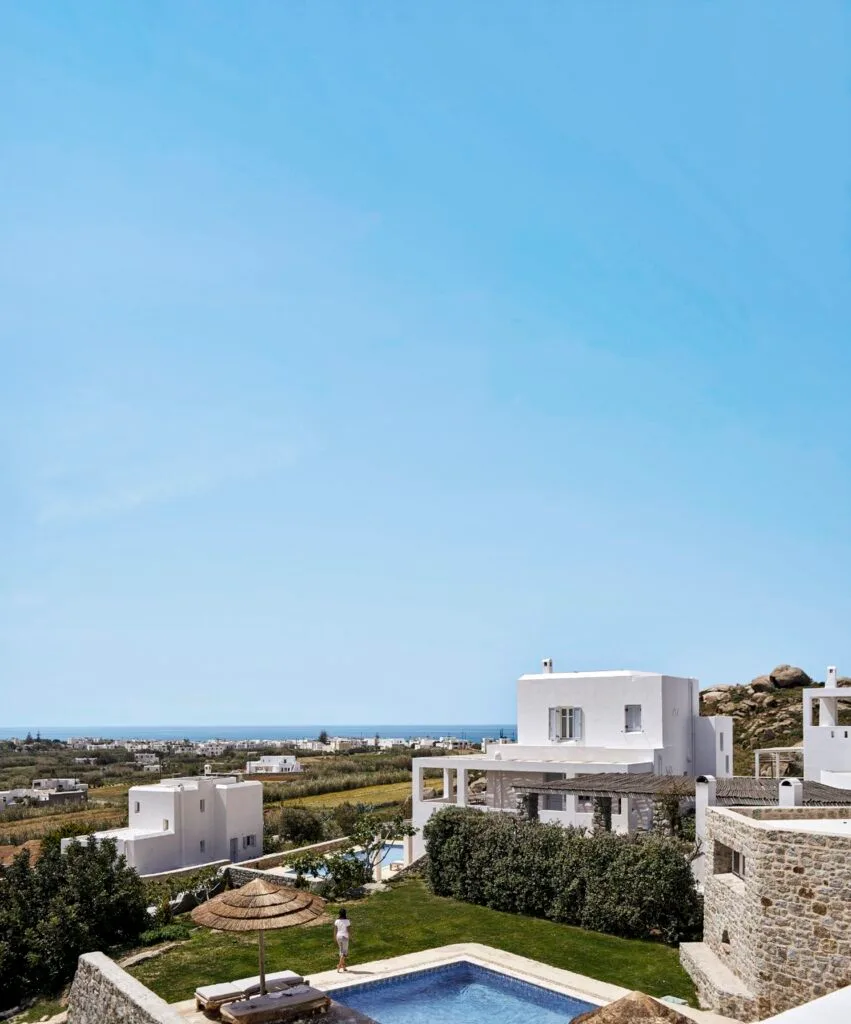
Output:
x=762 y=684
x=843 y=681
x=787 y=676
x=634 y=1007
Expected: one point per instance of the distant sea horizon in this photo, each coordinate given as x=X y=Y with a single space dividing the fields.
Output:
x=474 y=732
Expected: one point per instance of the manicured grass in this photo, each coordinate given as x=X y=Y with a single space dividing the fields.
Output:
x=406 y=919
x=390 y=793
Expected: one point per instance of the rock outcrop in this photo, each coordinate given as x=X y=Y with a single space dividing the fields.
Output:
x=634 y=1007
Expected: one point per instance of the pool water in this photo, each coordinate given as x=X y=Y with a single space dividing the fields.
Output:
x=460 y=994
x=392 y=853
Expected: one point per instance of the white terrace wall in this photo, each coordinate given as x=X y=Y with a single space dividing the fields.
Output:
x=102 y=993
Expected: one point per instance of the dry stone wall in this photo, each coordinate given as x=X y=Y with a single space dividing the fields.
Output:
x=784 y=929
x=103 y=993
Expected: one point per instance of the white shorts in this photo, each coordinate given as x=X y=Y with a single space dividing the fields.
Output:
x=343 y=945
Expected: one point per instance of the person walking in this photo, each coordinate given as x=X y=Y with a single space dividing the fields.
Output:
x=342 y=928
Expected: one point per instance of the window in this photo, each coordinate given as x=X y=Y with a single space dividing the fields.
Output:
x=721 y=741
x=727 y=763
x=738 y=865
x=249 y=841
x=202 y=806
x=165 y=824
x=565 y=723
x=136 y=807
x=203 y=845
x=632 y=717
x=584 y=804
x=616 y=805
x=553 y=802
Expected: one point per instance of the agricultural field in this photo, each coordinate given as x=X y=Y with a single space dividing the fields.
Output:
x=393 y=792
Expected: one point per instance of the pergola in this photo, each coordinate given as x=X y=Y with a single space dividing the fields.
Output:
x=667 y=790
x=776 y=757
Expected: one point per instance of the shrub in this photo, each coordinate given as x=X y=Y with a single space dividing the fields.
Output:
x=301 y=826
x=64 y=905
x=635 y=886
x=175 y=932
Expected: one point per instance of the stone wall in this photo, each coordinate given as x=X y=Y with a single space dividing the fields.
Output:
x=103 y=993
x=784 y=928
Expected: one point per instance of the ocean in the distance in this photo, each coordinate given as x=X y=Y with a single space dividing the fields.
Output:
x=474 y=733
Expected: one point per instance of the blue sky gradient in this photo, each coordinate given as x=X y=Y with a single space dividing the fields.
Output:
x=357 y=356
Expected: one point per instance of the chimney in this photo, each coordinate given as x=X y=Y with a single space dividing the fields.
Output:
x=705 y=788
x=547 y=665
x=831 y=676
x=791 y=793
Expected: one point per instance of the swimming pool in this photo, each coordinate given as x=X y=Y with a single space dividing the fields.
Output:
x=391 y=853
x=460 y=993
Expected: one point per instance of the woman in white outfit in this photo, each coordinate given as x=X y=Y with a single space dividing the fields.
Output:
x=342 y=927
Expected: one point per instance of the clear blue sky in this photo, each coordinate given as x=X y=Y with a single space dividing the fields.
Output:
x=356 y=356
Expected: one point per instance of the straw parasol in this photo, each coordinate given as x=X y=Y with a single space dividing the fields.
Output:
x=257 y=907
x=634 y=1007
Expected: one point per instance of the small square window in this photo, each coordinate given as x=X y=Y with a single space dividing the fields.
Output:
x=203 y=845
x=738 y=864
x=165 y=824
x=202 y=806
x=632 y=718
x=584 y=804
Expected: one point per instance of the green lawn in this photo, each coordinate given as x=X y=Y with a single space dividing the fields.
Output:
x=409 y=918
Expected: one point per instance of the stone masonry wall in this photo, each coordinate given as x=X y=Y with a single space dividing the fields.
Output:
x=785 y=928
x=103 y=993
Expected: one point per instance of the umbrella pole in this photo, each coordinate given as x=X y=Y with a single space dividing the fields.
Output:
x=262 y=963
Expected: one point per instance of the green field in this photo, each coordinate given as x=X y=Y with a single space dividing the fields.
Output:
x=393 y=792
x=406 y=919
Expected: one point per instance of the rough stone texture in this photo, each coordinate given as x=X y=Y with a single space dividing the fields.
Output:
x=762 y=684
x=789 y=676
x=103 y=993
x=784 y=929
x=716 y=985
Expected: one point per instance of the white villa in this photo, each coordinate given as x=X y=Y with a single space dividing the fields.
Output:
x=585 y=722
x=179 y=823
x=273 y=764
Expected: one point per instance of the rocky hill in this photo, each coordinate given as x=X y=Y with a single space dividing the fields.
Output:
x=767 y=711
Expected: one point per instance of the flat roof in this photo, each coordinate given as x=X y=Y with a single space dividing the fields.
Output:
x=598 y=674
x=825 y=826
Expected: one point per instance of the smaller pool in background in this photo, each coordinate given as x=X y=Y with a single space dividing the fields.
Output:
x=460 y=993
x=392 y=853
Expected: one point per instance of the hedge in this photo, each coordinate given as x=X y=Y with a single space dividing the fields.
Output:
x=635 y=886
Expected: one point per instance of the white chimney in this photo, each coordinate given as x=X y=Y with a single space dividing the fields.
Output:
x=831 y=676
x=791 y=793
x=547 y=664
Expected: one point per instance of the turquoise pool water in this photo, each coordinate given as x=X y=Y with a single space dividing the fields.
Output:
x=460 y=994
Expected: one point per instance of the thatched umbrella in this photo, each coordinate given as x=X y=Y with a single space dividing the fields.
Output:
x=257 y=907
x=634 y=1007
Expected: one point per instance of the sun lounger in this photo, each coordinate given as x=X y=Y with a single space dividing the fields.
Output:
x=277 y=1007
x=211 y=997
x=274 y=982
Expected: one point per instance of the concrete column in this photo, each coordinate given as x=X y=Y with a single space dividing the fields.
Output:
x=408 y=851
x=417 y=780
x=776 y=765
x=756 y=764
x=462 y=787
x=447 y=786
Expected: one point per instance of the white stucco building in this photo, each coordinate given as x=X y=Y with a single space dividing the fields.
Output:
x=827 y=745
x=179 y=823
x=584 y=722
x=273 y=764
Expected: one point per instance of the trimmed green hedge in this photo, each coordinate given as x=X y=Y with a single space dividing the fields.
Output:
x=637 y=886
